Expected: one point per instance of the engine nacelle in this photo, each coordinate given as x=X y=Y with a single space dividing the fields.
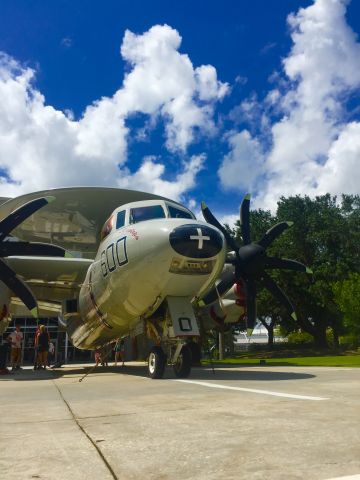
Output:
x=217 y=316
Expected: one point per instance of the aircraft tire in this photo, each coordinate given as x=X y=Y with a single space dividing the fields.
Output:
x=182 y=366
x=156 y=362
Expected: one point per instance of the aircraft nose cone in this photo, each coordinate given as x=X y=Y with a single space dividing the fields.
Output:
x=196 y=241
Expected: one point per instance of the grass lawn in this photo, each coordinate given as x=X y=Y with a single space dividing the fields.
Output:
x=318 y=361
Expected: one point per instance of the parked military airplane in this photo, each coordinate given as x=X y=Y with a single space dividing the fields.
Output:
x=140 y=263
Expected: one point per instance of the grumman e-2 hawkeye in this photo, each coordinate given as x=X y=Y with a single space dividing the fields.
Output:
x=140 y=263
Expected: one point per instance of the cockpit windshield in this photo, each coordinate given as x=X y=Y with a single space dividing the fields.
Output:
x=175 y=212
x=107 y=227
x=151 y=212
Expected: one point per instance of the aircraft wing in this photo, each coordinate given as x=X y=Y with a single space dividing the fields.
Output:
x=74 y=220
x=51 y=279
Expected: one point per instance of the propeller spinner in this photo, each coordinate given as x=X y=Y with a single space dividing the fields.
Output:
x=250 y=263
x=9 y=246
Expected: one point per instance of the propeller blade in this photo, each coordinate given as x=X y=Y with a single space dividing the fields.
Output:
x=18 y=287
x=8 y=249
x=245 y=219
x=226 y=282
x=250 y=302
x=273 y=233
x=276 y=291
x=285 y=263
x=22 y=213
x=209 y=217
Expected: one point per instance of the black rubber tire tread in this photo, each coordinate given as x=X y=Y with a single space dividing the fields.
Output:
x=182 y=367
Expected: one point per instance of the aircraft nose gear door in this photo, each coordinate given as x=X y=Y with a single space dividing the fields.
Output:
x=182 y=316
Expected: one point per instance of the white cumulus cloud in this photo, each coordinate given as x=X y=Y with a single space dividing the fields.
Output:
x=243 y=164
x=41 y=147
x=173 y=86
x=314 y=146
x=149 y=177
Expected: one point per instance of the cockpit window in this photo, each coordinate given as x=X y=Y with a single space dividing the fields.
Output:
x=178 y=212
x=108 y=225
x=120 y=219
x=140 y=214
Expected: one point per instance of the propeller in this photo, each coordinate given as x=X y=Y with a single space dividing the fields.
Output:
x=10 y=246
x=250 y=263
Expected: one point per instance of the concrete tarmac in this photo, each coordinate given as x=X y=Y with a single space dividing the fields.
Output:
x=244 y=422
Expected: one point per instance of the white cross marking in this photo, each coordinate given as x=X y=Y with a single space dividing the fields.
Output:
x=199 y=237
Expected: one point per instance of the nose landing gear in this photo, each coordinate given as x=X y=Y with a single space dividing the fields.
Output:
x=181 y=361
x=173 y=331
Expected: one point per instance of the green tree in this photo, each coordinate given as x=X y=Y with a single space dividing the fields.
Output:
x=347 y=297
x=325 y=237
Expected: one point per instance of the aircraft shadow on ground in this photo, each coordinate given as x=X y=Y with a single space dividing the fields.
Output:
x=197 y=373
x=227 y=372
x=248 y=374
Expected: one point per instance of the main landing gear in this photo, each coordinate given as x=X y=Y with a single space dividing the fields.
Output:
x=181 y=361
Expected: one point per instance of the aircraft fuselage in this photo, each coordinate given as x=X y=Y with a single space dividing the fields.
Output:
x=137 y=266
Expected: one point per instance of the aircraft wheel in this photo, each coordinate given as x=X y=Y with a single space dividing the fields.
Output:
x=156 y=362
x=182 y=366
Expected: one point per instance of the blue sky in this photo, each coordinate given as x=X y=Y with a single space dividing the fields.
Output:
x=191 y=100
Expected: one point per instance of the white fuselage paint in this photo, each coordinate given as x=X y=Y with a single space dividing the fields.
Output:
x=348 y=477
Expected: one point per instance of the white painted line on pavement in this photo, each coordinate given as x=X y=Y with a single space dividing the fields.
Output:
x=251 y=390
x=348 y=477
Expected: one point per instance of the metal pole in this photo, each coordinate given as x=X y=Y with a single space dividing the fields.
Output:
x=66 y=347
x=221 y=345
x=93 y=368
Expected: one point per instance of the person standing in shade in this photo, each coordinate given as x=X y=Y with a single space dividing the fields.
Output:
x=43 y=341
x=119 y=351
x=4 y=348
x=97 y=356
x=37 y=333
x=16 y=338
x=104 y=355
x=51 y=352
